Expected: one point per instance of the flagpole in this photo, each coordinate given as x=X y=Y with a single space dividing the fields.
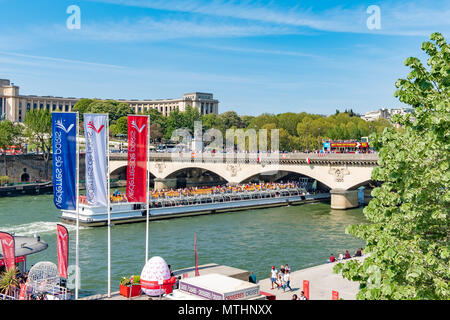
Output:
x=77 y=273
x=109 y=206
x=148 y=188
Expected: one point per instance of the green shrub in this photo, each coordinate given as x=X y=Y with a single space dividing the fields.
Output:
x=136 y=279
x=4 y=179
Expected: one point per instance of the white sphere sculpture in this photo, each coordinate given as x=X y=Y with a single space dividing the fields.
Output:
x=43 y=276
x=156 y=269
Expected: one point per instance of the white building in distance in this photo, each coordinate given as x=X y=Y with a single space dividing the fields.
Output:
x=384 y=113
x=14 y=106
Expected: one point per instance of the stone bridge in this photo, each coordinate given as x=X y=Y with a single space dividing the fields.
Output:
x=341 y=173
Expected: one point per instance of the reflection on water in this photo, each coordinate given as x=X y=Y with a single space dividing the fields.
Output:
x=254 y=240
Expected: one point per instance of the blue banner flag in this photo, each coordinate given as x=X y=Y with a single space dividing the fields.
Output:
x=64 y=129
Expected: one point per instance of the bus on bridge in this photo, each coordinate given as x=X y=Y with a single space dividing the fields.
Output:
x=347 y=146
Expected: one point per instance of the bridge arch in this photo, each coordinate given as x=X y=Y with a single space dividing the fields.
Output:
x=196 y=176
x=121 y=173
x=307 y=171
x=284 y=175
x=365 y=183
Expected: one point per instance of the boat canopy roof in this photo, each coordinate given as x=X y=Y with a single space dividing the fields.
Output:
x=27 y=245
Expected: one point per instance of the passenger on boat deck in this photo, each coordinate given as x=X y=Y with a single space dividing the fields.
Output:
x=223 y=189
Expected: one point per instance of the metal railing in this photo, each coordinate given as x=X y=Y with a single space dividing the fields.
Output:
x=163 y=202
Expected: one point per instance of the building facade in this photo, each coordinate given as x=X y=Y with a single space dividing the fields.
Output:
x=204 y=102
x=384 y=113
x=14 y=106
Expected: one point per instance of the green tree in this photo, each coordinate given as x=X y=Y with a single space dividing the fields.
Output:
x=114 y=109
x=190 y=115
x=10 y=135
x=156 y=117
x=120 y=127
x=263 y=119
x=175 y=120
x=408 y=237
x=83 y=106
x=246 y=120
x=289 y=120
x=230 y=119
x=38 y=129
x=156 y=132
x=212 y=121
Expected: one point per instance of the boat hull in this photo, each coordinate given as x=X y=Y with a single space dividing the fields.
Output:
x=124 y=213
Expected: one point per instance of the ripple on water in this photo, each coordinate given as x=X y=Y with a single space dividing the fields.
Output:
x=254 y=240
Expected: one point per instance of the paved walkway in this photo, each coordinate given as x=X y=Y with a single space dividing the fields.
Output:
x=322 y=281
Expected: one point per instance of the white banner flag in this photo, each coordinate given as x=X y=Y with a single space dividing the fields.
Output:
x=95 y=130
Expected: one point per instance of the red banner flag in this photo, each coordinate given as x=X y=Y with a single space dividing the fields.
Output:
x=196 y=263
x=334 y=295
x=137 y=159
x=306 y=288
x=63 y=249
x=8 y=249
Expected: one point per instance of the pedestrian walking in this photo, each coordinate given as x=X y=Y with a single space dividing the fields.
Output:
x=287 y=281
x=273 y=276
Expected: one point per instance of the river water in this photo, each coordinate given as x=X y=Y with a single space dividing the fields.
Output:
x=254 y=240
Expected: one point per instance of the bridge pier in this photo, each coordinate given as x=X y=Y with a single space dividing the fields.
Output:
x=344 y=199
x=367 y=195
x=165 y=183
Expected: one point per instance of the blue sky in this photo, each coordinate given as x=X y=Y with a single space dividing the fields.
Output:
x=255 y=56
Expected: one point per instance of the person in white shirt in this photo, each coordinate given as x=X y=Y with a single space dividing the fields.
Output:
x=287 y=281
x=273 y=276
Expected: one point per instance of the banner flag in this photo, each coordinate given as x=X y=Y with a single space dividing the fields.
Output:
x=137 y=159
x=63 y=249
x=306 y=288
x=334 y=295
x=95 y=128
x=64 y=129
x=8 y=250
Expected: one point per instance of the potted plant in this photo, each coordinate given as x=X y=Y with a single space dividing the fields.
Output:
x=130 y=286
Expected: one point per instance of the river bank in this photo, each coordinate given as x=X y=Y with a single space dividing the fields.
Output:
x=302 y=236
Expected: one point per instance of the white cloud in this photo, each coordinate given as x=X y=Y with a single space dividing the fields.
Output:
x=409 y=19
x=32 y=60
x=149 y=29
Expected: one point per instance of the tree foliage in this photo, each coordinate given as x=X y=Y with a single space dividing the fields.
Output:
x=10 y=135
x=299 y=131
x=408 y=237
x=38 y=129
